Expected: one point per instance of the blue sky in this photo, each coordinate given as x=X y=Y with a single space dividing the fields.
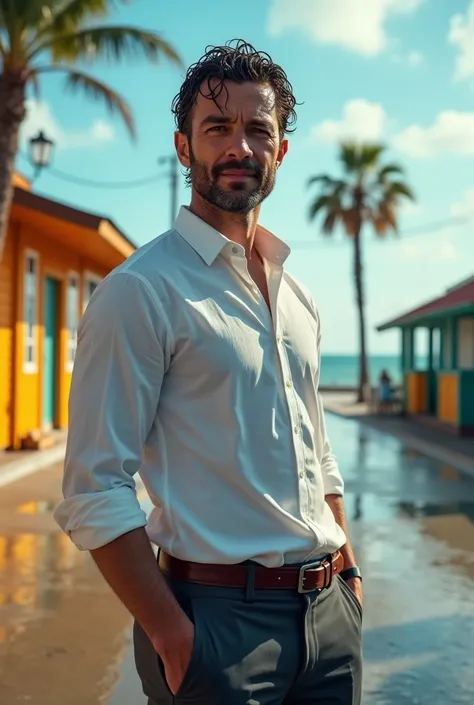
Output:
x=399 y=71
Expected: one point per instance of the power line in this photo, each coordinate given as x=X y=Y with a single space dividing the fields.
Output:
x=92 y=183
x=145 y=181
x=408 y=234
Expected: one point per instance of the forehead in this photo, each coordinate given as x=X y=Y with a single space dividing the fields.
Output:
x=236 y=100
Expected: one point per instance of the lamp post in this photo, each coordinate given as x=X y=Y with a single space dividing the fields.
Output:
x=40 y=152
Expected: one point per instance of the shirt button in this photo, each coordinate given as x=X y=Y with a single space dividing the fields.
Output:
x=289 y=383
x=302 y=475
x=235 y=250
x=296 y=429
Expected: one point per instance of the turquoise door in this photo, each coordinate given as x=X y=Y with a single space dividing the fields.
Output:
x=50 y=350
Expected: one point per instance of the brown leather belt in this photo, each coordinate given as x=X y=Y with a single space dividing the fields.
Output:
x=306 y=578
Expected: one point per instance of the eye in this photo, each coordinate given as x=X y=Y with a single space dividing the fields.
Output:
x=217 y=128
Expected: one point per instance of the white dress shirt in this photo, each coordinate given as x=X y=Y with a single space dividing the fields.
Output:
x=183 y=376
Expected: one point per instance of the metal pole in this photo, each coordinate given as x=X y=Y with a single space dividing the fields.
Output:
x=172 y=160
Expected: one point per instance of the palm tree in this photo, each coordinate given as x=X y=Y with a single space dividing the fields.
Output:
x=43 y=36
x=367 y=192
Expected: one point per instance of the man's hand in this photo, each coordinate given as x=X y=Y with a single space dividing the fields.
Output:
x=355 y=585
x=176 y=653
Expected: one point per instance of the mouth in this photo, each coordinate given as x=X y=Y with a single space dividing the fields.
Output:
x=238 y=174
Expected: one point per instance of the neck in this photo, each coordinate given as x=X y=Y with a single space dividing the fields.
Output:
x=238 y=227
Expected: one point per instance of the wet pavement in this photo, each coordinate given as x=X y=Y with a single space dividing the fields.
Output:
x=65 y=638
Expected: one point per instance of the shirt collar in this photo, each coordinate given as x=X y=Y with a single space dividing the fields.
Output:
x=209 y=243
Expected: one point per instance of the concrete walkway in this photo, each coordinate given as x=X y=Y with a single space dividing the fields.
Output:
x=430 y=440
x=433 y=442
x=18 y=464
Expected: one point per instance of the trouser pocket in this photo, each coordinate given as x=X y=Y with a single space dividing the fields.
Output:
x=351 y=597
x=241 y=650
x=193 y=669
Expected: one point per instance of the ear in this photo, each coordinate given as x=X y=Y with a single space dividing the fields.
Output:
x=181 y=144
x=282 y=152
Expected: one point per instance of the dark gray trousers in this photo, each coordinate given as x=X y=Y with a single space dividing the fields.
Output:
x=272 y=647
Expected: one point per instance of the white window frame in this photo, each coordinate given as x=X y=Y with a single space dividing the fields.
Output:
x=88 y=278
x=71 y=340
x=30 y=367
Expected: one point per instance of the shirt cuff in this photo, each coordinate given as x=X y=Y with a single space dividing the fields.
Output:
x=333 y=482
x=93 y=520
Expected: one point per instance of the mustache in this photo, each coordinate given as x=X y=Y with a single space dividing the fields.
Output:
x=249 y=166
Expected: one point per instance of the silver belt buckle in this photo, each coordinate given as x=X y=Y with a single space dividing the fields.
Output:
x=302 y=577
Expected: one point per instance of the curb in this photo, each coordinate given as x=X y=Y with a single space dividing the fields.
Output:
x=18 y=469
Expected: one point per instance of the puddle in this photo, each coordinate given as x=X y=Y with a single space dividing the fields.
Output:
x=384 y=478
x=65 y=638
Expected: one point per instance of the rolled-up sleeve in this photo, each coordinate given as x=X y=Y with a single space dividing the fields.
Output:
x=332 y=478
x=123 y=350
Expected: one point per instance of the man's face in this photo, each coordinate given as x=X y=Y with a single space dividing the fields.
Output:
x=234 y=150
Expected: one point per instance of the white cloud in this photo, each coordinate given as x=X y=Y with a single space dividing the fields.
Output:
x=40 y=117
x=451 y=132
x=464 y=207
x=361 y=121
x=415 y=58
x=412 y=58
x=461 y=35
x=440 y=248
x=341 y=23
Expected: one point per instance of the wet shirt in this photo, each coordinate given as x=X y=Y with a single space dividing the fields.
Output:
x=183 y=375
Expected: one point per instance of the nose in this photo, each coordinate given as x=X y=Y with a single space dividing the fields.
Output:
x=239 y=147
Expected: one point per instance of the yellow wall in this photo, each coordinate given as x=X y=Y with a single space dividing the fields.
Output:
x=57 y=261
x=448 y=397
x=6 y=338
x=416 y=385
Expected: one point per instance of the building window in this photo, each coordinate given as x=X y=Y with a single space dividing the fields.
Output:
x=30 y=312
x=72 y=315
x=91 y=282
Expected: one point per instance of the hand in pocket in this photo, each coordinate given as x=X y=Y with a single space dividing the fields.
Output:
x=177 y=656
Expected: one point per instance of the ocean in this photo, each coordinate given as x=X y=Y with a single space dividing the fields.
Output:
x=342 y=370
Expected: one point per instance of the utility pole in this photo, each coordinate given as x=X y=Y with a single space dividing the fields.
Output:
x=172 y=160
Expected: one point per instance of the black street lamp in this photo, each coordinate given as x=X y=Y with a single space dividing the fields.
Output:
x=40 y=151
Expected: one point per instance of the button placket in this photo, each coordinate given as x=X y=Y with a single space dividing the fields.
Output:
x=292 y=402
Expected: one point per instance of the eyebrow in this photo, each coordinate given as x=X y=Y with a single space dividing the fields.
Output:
x=226 y=120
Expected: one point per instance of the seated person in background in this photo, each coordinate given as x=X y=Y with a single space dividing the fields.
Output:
x=385 y=387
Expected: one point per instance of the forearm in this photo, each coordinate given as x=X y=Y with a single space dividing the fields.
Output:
x=336 y=503
x=129 y=566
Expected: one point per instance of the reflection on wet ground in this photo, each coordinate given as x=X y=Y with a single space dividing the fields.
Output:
x=65 y=639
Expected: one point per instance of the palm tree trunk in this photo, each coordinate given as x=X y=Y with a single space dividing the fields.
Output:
x=360 y=301
x=12 y=114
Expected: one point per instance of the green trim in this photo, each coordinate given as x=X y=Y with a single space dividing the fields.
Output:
x=403 y=353
x=411 y=351
x=442 y=335
x=454 y=343
x=465 y=397
x=424 y=321
x=430 y=349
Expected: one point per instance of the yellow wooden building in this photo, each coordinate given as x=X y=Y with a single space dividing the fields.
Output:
x=440 y=388
x=53 y=260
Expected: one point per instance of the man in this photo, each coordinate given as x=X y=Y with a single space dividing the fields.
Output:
x=198 y=366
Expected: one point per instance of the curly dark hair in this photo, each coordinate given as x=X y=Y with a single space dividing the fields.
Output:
x=239 y=63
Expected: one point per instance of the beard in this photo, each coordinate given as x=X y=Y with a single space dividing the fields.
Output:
x=238 y=197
